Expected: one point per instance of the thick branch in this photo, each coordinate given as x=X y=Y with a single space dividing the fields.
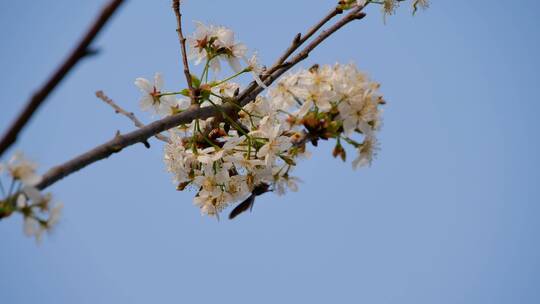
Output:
x=82 y=50
x=130 y=115
x=119 y=142
x=182 y=39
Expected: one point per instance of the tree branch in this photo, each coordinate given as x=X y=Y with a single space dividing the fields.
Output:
x=130 y=115
x=355 y=14
x=297 y=41
x=81 y=50
x=182 y=39
x=119 y=142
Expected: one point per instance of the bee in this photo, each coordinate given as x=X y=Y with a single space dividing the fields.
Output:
x=248 y=203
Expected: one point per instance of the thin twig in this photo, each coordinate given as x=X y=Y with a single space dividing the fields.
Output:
x=182 y=39
x=130 y=115
x=81 y=50
x=299 y=39
x=355 y=14
x=120 y=142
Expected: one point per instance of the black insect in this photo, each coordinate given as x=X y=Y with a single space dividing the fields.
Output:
x=248 y=203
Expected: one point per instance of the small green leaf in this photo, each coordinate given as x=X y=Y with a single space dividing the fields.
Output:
x=185 y=92
x=196 y=82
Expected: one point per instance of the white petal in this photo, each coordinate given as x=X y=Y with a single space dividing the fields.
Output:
x=234 y=63
x=183 y=103
x=55 y=214
x=349 y=125
x=33 y=193
x=144 y=85
x=158 y=81
x=31 y=179
x=31 y=226
x=21 y=201
x=146 y=103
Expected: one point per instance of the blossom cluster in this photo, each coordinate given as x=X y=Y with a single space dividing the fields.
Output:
x=255 y=148
x=39 y=211
x=388 y=7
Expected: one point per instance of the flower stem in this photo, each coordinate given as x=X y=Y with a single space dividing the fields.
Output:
x=229 y=78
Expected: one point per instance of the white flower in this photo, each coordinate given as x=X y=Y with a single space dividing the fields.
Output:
x=423 y=4
x=258 y=109
x=224 y=90
x=232 y=141
x=214 y=43
x=316 y=84
x=304 y=109
x=198 y=42
x=389 y=8
x=23 y=170
x=282 y=183
x=283 y=94
x=33 y=228
x=276 y=143
x=240 y=161
x=54 y=215
x=152 y=99
x=366 y=152
x=212 y=203
x=256 y=69
x=178 y=160
x=359 y=112
x=233 y=50
x=212 y=179
x=238 y=187
x=209 y=155
x=21 y=201
x=33 y=194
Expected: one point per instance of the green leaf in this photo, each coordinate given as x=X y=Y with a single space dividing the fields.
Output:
x=185 y=92
x=196 y=82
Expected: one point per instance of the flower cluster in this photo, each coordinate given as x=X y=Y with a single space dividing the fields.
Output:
x=228 y=158
x=39 y=211
x=388 y=7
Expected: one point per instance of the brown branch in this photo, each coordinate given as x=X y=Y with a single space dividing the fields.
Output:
x=130 y=115
x=356 y=14
x=120 y=142
x=81 y=50
x=298 y=40
x=182 y=39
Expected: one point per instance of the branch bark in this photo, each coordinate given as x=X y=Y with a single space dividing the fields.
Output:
x=119 y=142
x=297 y=41
x=249 y=94
x=130 y=115
x=81 y=50
x=182 y=40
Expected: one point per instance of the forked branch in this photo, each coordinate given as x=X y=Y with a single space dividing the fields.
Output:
x=130 y=115
x=141 y=135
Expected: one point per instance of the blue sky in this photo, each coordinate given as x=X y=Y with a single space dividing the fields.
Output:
x=446 y=214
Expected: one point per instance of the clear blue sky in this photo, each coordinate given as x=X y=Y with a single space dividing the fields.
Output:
x=448 y=213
